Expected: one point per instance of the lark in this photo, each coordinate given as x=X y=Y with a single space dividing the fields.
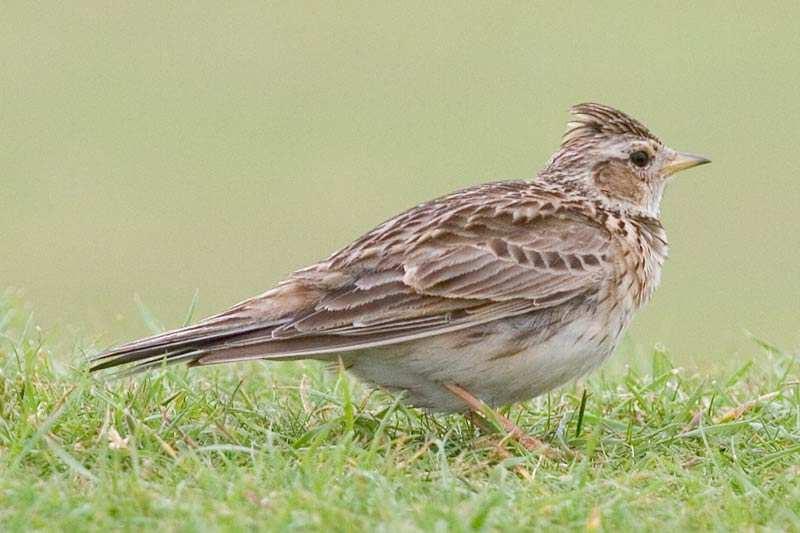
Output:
x=491 y=295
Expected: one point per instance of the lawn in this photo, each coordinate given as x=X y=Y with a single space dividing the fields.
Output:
x=295 y=446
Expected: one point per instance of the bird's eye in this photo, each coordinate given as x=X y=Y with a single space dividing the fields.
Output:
x=640 y=158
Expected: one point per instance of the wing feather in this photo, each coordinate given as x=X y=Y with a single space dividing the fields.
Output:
x=443 y=266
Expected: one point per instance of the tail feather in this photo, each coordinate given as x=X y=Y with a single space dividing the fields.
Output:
x=181 y=337
x=172 y=344
x=142 y=365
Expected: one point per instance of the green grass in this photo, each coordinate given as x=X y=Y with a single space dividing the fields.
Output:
x=293 y=446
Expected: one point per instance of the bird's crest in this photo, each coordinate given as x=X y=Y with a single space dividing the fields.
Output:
x=592 y=119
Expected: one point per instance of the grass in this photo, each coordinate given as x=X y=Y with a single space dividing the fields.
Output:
x=293 y=446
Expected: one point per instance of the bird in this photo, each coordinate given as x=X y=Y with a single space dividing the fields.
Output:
x=488 y=296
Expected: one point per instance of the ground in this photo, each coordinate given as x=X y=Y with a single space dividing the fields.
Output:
x=294 y=446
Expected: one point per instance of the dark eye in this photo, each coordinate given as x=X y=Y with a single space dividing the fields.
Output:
x=640 y=158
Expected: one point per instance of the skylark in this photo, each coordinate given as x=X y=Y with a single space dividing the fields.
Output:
x=495 y=293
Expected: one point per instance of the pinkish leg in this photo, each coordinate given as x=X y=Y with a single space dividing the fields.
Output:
x=478 y=410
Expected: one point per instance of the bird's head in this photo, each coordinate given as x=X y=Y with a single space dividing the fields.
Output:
x=611 y=155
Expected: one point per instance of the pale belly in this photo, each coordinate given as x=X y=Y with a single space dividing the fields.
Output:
x=500 y=362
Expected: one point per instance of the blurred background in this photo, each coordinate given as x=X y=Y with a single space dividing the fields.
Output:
x=150 y=150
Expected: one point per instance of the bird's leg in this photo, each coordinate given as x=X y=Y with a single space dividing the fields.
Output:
x=482 y=416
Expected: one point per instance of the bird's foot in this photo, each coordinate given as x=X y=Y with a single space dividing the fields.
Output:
x=489 y=420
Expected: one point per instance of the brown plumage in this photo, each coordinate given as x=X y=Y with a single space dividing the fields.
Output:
x=506 y=289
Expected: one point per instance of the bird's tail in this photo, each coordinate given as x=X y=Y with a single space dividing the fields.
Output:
x=186 y=344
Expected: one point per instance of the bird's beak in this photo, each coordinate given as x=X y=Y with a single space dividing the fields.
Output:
x=681 y=161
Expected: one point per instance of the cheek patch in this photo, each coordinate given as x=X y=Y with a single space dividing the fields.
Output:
x=617 y=181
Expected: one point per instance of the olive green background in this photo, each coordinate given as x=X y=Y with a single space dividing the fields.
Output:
x=154 y=150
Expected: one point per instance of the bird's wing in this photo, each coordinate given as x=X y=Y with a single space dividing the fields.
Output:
x=443 y=266
x=487 y=265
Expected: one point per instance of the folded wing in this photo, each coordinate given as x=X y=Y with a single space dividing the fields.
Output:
x=450 y=264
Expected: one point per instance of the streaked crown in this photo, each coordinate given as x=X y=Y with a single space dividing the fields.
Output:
x=590 y=120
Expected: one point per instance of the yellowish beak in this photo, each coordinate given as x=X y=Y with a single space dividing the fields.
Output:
x=682 y=161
